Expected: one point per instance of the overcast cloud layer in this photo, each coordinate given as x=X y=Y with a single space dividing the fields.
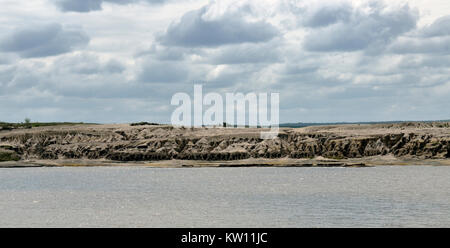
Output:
x=121 y=61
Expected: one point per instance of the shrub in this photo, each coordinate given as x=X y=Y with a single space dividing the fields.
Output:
x=6 y=155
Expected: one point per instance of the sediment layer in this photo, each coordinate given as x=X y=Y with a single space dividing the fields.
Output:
x=123 y=142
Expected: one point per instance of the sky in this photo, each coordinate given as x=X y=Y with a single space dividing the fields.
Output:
x=121 y=61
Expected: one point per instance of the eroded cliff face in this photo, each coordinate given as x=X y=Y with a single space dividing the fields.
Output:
x=142 y=143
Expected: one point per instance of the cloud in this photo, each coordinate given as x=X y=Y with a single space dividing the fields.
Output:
x=79 y=6
x=43 y=41
x=436 y=45
x=196 y=29
x=16 y=78
x=94 y=5
x=162 y=72
x=431 y=39
x=246 y=54
x=352 y=29
x=429 y=61
x=329 y=60
x=325 y=15
x=440 y=27
x=6 y=58
x=164 y=53
x=88 y=63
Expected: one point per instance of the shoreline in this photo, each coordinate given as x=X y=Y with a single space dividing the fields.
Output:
x=277 y=163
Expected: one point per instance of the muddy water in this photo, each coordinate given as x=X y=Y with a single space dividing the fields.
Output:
x=384 y=196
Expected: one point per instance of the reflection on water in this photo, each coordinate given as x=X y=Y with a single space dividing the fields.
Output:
x=391 y=196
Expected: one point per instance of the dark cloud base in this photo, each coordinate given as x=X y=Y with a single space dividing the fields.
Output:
x=43 y=41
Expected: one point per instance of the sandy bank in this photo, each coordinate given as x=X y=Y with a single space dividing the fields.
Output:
x=167 y=146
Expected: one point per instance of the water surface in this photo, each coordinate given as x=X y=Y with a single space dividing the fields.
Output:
x=384 y=196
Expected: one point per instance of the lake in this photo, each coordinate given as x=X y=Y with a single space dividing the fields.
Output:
x=384 y=196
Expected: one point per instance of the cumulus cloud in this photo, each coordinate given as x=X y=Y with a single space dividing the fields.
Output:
x=246 y=54
x=437 y=45
x=16 y=78
x=79 y=6
x=6 y=58
x=425 y=62
x=164 y=53
x=43 y=41
x=152 y=71
x=195 y=29
x=93 y=5
x=324 y=15
x=440 y=27
x=346 y=28
x=431 y=39
x=88 y=63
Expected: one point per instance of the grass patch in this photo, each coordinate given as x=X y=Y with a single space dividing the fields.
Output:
x=143 y=123
x=27 y=125
x=6 y=155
